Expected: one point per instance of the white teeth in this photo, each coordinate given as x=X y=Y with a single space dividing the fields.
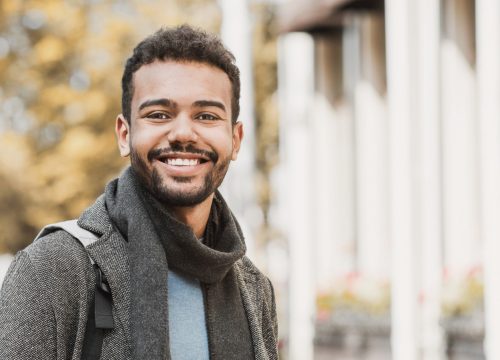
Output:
x=183 y=162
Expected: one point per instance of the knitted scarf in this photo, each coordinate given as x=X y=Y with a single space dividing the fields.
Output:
x=156 y=242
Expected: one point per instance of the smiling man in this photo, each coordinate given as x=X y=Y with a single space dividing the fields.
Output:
x=155 y=269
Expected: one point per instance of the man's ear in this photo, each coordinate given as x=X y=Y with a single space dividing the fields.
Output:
x=237 y=137
x=122 y=129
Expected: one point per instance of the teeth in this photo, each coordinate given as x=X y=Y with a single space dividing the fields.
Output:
x=183 y=162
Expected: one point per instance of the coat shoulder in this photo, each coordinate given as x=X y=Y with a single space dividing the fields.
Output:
x=62 y=265
x=58 y=251
x=43 y=299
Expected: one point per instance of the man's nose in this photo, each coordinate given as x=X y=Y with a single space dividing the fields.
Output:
x=182 y=130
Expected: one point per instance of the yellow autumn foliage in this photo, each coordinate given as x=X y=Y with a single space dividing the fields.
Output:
x=49 y=49
x=95 y=103
x=57 y=95
x=11 y=7
x=15 y=155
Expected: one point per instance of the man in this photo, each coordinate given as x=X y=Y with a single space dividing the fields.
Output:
x=170 y=249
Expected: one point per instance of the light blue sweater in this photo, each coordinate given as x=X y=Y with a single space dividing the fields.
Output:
x=186 y=318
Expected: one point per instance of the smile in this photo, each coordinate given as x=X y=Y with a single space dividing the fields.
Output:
x=182 y=162
x=182 y=159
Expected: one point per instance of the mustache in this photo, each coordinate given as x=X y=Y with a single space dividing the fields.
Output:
x=177 y=148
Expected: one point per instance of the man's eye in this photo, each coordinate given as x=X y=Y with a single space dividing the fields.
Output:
x=207 y=117
x=157 y=115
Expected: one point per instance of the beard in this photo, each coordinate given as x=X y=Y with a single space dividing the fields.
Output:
x=153 y=181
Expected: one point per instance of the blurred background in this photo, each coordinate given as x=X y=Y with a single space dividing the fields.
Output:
x=369 y=182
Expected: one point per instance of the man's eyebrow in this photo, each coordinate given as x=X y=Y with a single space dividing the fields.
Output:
x=208 y=103
x=163 y=102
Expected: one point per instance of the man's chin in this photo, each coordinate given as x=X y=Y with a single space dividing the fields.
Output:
x=180 y=192
x=181 y=198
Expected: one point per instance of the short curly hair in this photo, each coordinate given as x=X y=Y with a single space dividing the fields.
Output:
x=182 y=43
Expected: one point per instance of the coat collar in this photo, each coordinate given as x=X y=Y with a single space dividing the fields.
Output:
x=96 y=218
x=109 y=252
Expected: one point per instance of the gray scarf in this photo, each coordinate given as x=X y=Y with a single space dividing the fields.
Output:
x=156 y=242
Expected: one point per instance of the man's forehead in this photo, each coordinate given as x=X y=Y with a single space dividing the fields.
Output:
x=176 y=64
x=181 y=77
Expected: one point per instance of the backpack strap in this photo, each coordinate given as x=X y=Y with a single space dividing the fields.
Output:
x=85 y=237
x=101 y=309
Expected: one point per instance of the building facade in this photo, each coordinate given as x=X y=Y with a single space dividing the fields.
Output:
x=390 y=146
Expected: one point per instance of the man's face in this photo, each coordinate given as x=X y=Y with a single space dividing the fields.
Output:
x=180 y=138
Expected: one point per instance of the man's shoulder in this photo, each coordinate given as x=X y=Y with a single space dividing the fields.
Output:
x=54 y=267
x=56 y=247
x=56 y=241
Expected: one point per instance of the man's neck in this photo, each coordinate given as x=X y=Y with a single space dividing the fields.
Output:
x=196 y=217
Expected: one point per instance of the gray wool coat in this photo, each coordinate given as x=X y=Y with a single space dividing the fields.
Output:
x=46 y=294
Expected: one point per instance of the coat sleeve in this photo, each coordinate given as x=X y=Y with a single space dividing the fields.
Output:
x=274 y=317
x=27 y=322
x=270 y=327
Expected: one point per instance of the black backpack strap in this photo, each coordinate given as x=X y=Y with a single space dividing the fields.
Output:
x=94 y=337
x=100 y=316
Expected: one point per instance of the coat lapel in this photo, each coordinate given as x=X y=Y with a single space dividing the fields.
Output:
x=110 y=254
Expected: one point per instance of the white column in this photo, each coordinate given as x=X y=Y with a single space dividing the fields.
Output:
x=413 y=57
x=371 y=152
x=239 y=185
x=343 y=222
x=322 y=131
x=460 y=148
x=333 y=183
x=296 y=74
x=401 y=53
x=488 y=70
x=430 y=196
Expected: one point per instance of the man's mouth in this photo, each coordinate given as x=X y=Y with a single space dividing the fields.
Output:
x=183 y=159
x=182 y=156
x=183 y=162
